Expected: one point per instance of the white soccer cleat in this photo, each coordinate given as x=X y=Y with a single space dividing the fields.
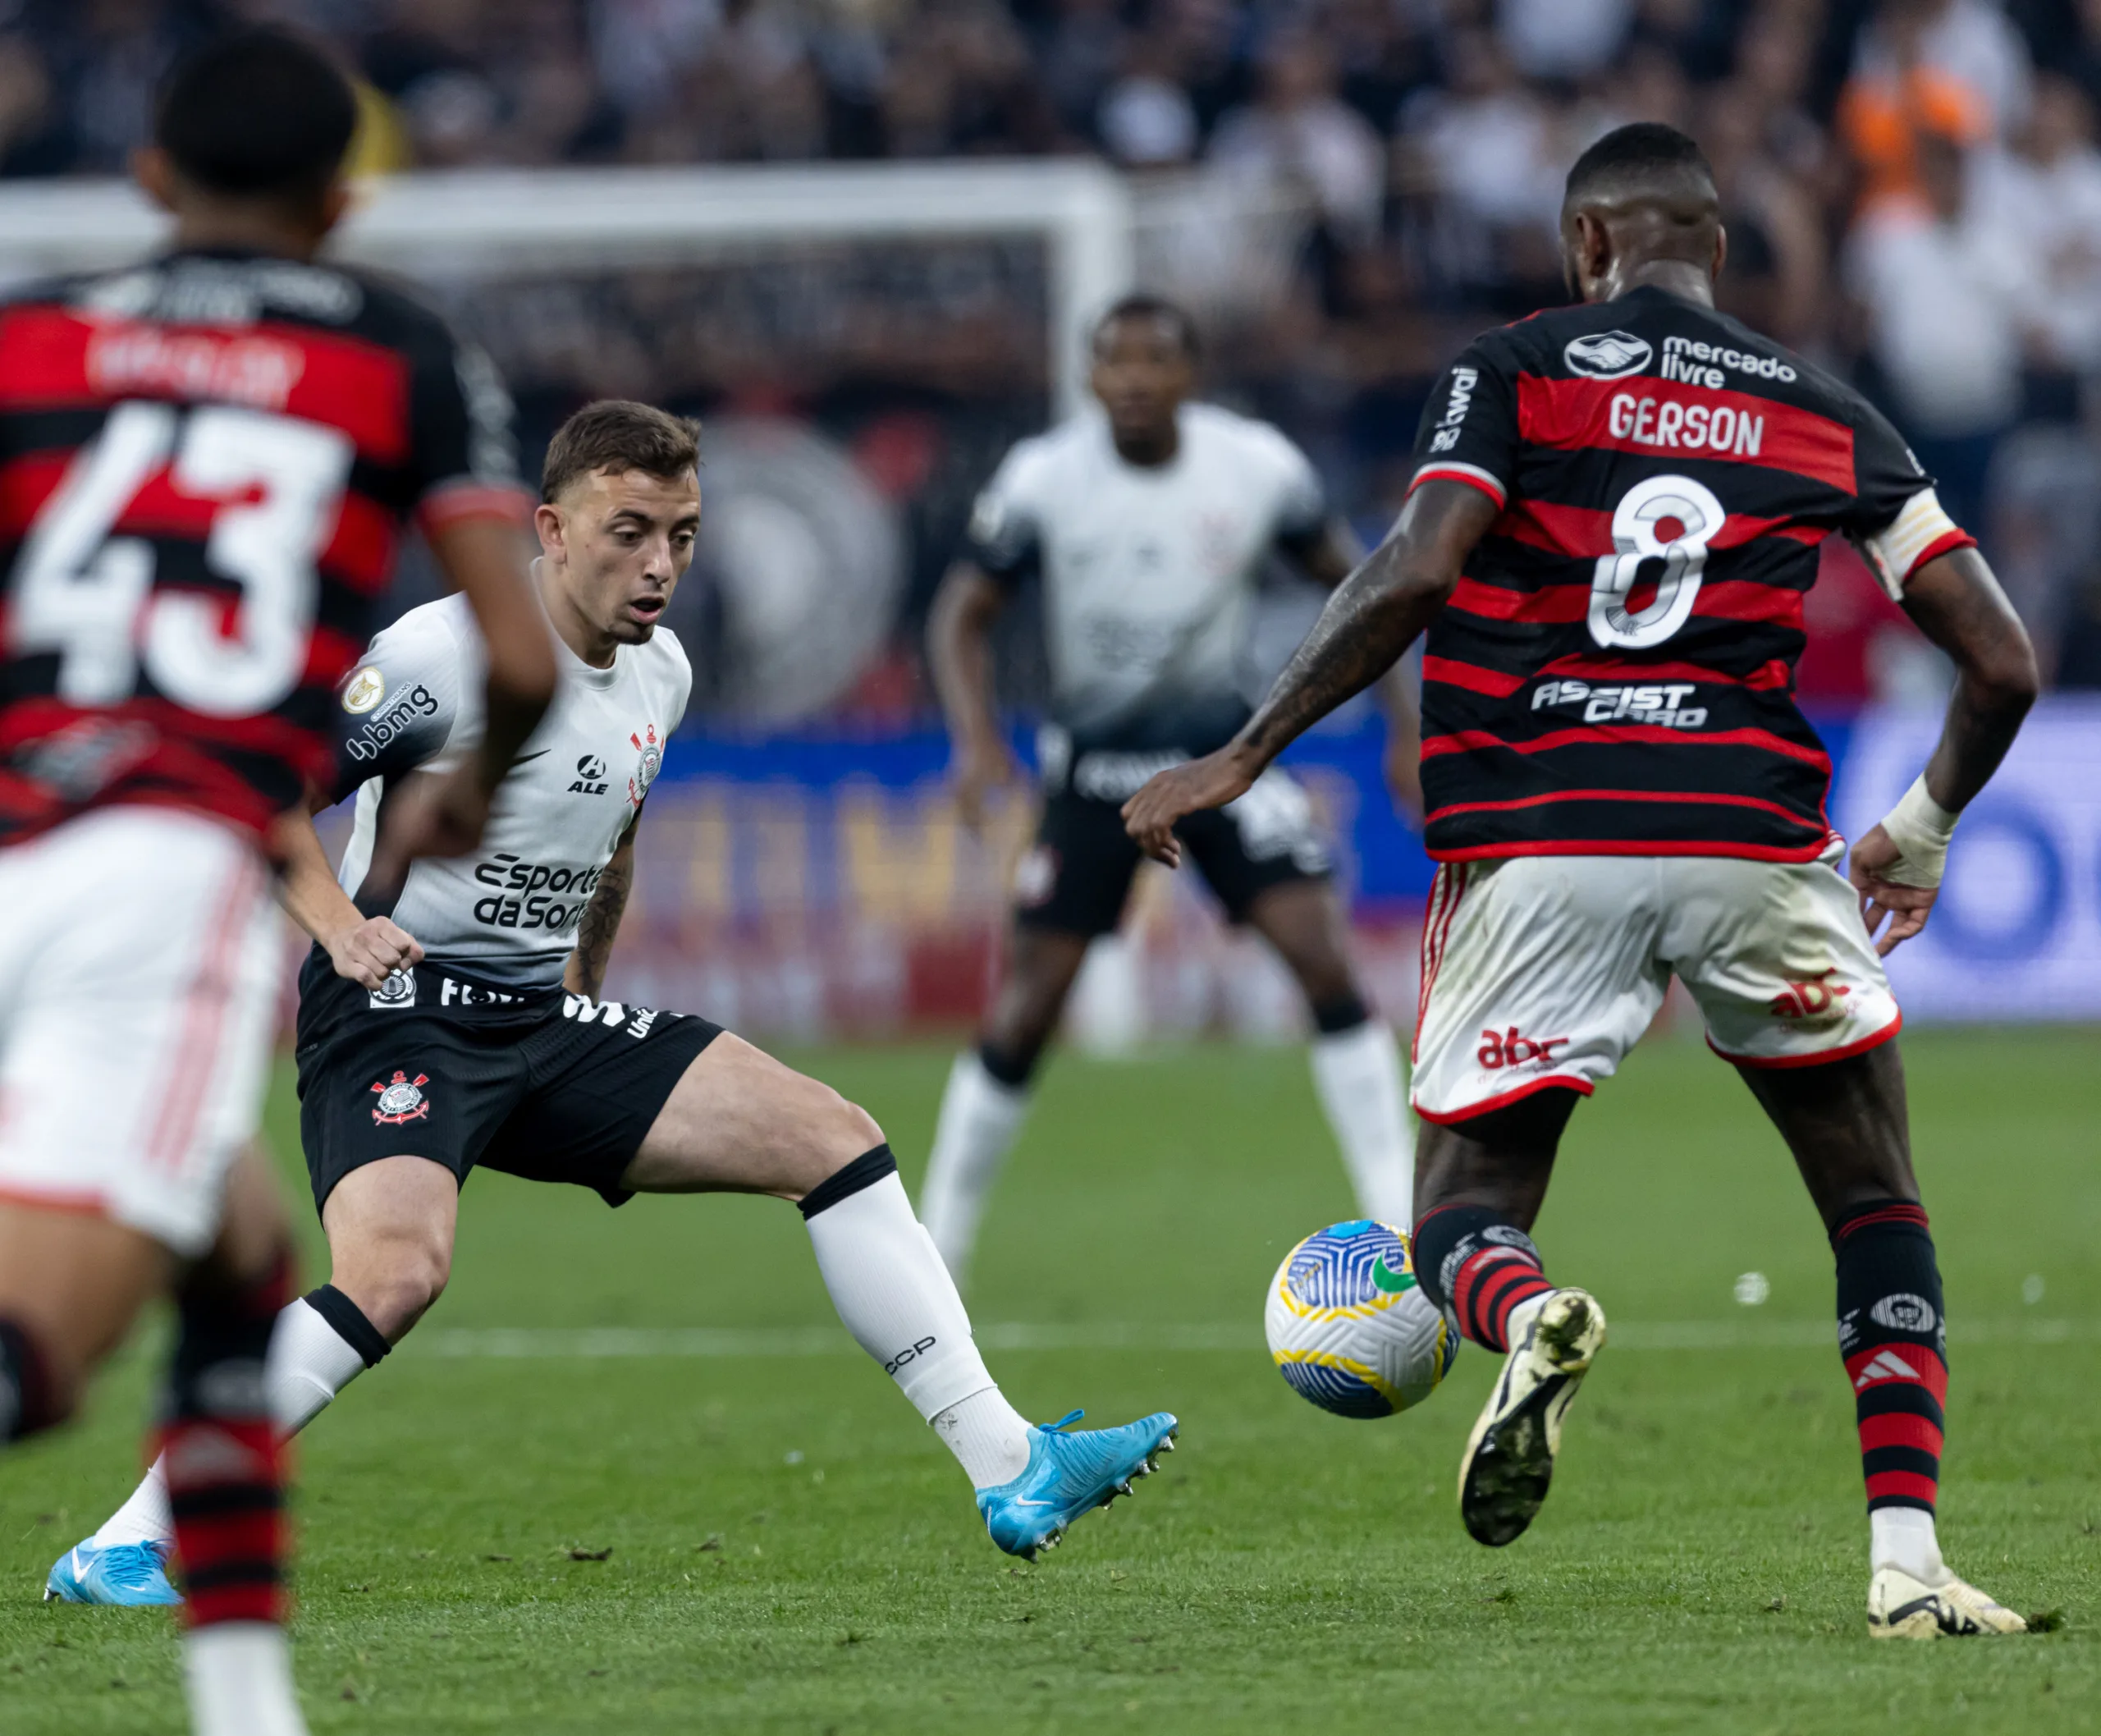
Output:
x=1901 y=1607
x=1509 y=1457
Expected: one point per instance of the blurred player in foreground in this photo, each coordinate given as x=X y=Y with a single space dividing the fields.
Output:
x=1151 y=522
x=1615 y=517
x=455 y=1019
x=208 y=461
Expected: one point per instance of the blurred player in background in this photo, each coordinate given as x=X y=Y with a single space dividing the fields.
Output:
x=208 y=460
x=1608 y=537
x=1151 y=522
x=454 y=1019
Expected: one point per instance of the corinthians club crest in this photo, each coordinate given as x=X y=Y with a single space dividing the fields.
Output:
x=400 y=1099
x=646 y=769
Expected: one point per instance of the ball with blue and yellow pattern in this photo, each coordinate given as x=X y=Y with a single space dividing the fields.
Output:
x=1348 y=1325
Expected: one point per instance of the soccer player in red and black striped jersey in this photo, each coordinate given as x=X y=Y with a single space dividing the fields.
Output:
x=206 y=461
x=1615 y=517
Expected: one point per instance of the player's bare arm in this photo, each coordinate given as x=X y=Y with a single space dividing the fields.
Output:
x=365 y=950
x=585 y=972
x=959 y=652
x=1373 y=617
x=484 y=559
x=1957 y=603
x=1328 y=558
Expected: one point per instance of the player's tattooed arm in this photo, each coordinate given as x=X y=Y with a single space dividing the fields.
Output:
x=585 y=973
x=1373 y=616
x=1328 y=557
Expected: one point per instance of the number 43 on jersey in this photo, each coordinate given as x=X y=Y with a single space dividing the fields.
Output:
x=273 y=487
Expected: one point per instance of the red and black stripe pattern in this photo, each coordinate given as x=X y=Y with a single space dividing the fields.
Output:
x=206 y=467
x=1477 y=1267
x=1614 y=673
x=1893 y=1331
x=221 y=1451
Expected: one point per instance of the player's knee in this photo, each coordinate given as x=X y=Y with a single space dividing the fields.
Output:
x=398 y=1284
x=836 y=1130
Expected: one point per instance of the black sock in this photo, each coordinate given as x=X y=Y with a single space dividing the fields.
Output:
x=1893 y=1331
x=349 y=1322
x=865 y=1171
x=1010 y=1067
x=1345 y=1013
x=28 y=1405
x=1477 y=1265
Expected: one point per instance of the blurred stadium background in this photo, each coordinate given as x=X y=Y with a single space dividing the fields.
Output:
x=860 y=239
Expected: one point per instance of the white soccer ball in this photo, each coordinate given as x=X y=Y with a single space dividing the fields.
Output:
x=1349 y=1326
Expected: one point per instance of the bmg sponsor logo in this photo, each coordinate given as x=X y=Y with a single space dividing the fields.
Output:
x=415 y=706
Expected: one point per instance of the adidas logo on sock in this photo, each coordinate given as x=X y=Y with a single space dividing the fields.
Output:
x=1887 y=1366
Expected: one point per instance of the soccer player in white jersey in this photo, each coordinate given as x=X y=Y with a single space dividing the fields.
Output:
x=454 y=1018
x=1149 y=521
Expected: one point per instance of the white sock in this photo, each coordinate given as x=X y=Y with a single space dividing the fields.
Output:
x=896 y=1297
x=238 y=1675
x=309 y=1363
x=1903 y=1537
x=1359 y=1077
x=980 y=1120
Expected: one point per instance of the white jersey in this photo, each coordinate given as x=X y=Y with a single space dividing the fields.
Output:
x=1149 y=574
x=508 y=912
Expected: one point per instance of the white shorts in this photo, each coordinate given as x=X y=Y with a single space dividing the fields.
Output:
x=140 y=958
x=1545 y=970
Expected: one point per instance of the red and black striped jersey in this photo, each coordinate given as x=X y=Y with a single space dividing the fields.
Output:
x=1614 y=673
x=206 y=464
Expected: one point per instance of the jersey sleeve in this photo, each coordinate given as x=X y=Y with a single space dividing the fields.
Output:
x=1896 y=519
x=399 y=709
x=1469 y=429
x=463 y=439
x=1006 y=535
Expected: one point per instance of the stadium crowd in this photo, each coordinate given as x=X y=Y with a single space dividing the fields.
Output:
x=1914 y=186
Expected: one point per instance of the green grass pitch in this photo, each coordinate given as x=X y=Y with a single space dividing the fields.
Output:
x=791 y=1550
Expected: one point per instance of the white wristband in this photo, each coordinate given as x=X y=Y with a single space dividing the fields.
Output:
x=1921 y=829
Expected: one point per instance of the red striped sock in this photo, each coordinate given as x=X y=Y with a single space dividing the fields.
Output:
x=223 y=1459
x=225 y=1489
x=1893 y=1335
x=1489 y=1285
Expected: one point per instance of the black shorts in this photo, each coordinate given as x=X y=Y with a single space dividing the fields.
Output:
x=1077 y=876
x=559 y=1089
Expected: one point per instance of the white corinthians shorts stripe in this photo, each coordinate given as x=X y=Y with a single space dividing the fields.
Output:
x=140 y=958
x=1545 y=970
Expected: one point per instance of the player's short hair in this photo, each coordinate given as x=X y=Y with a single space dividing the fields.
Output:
x=1635 y=158
x=1144 y=305
x=259 y=114
x=619 y=434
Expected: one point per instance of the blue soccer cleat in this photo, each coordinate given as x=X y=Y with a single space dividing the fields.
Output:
x=127 y=1574
x=1068 y=1473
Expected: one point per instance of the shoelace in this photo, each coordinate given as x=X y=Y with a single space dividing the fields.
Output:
x=1063 y=1423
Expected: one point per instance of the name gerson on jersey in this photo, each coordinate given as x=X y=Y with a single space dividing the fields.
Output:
x=1614 y=673
x=206 y=463
x=497 y=925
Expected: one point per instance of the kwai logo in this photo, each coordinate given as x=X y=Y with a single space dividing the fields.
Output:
x=1608 y=355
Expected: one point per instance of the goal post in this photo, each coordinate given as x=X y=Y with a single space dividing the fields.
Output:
x=477 y=223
